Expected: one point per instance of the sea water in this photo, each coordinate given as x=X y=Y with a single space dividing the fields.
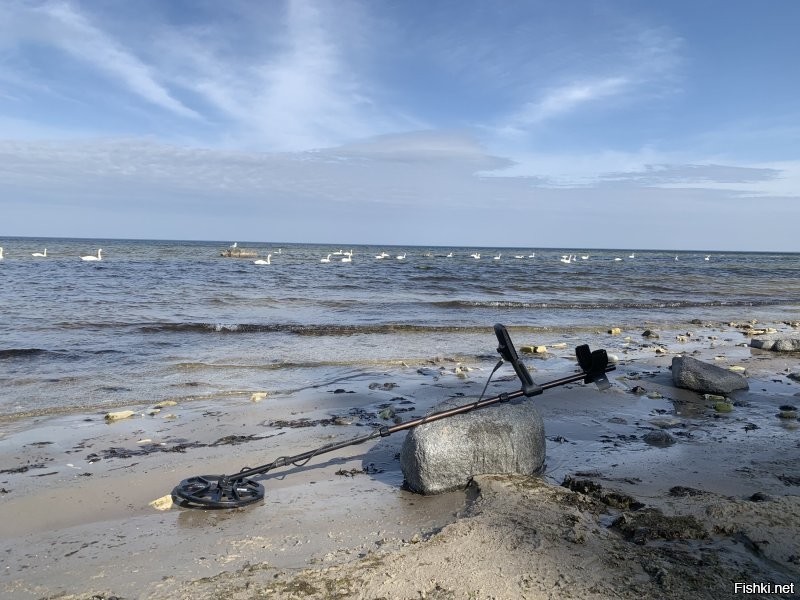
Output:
x=159 y=320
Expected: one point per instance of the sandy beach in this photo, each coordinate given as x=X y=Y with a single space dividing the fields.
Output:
x=717 y=506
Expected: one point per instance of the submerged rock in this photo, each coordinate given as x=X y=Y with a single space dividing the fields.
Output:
x=658 y=438
x=702 y=377
x=444 y=455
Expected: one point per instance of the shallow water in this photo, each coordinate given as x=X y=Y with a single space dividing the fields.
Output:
x=159 y=320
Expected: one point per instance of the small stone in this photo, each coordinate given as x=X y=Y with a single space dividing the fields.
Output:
x=714 y=398
x=654 y=395
x=559 y=345
x=649 y=333
x=118 y=416
x=165 y=403
x=723 y=407
x=615 y=331
x=163 y=503
x=658 y=438
x=760 y=497
x=258 y=396
x=737 y=369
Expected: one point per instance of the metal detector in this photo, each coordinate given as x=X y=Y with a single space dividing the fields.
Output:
x=233 y=491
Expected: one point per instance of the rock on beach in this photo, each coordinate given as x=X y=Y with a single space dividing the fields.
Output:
x=693 y=374
x=445 y=455
x=777 y=345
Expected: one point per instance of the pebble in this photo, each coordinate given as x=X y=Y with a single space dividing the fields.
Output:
x=117 y=416
x=658 y=438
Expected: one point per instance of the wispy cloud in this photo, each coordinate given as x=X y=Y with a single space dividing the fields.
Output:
x=634 y=66
x=73 y=33
x=563 y=100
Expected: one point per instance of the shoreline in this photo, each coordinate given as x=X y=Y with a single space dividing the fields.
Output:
x=347 y=517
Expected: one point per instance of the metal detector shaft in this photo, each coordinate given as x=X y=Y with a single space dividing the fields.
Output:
x=387 y=431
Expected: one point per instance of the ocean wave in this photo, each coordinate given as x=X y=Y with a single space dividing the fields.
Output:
x=20 y=352
x=11 y=353
x=306 y=330
x=615 y=305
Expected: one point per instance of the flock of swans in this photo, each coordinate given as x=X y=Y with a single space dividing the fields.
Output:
x=43 y=254
x=347 y=256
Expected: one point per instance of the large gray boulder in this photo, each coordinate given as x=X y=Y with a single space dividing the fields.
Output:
x=693 y=374
x=506 y=438
x=779 y=345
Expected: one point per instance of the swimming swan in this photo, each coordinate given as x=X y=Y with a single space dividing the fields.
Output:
x=327 y=259
x=1 y=253
x=92 y=257
x=40 y=253
x=261 y=261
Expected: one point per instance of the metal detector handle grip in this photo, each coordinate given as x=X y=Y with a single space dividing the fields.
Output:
x=509 y=354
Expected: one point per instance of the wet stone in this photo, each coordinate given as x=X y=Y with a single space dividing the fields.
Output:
x=659 y=438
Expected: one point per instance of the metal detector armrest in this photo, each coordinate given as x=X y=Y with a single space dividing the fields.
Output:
x=509 y=354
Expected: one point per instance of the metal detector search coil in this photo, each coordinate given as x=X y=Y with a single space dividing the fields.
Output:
x=237 y=490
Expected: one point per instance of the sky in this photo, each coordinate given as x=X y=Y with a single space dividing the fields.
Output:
x=522 y=123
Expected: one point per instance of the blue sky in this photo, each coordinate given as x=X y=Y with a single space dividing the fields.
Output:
x=587 y=124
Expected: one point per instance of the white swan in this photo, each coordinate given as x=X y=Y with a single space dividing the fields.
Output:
x=450 y=255
x=499 y=254
x=1 y=253
x=585 y=257
x=532 y=255
x=327 y=259
x=338 y=253
x=401 y=256
x=234 y=244
x=632 y=255
x=40 y=253
x=92 y=257
x=566 y=259
x=261 y=261
x=518 y=256
x=617 y=259
x=708 y=257
x=476 y=255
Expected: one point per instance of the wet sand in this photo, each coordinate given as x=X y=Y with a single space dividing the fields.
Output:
x=75 y=491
